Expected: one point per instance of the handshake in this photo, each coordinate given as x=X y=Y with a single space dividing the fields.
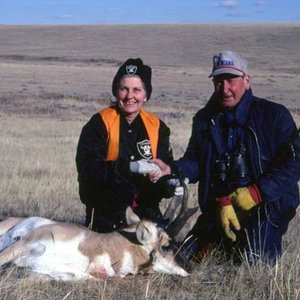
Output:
x=172 y=185
x=243 y=198
x=144 y=167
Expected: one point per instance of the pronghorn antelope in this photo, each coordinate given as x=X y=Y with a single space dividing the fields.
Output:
x=71 y=252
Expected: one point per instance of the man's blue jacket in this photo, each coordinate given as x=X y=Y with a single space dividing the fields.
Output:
x=273 y=146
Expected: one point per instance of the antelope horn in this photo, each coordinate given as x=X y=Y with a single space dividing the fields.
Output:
x=185 y=213
x=170 y=212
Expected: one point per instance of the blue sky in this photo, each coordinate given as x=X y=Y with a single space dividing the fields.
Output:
x=147 y=11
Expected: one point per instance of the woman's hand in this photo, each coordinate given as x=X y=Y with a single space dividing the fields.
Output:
x=164 y=170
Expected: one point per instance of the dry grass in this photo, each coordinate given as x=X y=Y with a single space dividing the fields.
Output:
x=54 y=78
x=39 y=178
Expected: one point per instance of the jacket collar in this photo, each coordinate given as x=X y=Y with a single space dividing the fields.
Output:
x=240 y=112
x=216 y=118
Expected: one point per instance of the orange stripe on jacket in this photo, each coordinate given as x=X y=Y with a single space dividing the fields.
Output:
x=111 y=119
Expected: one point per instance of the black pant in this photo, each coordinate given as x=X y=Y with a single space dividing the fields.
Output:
x=100 y=221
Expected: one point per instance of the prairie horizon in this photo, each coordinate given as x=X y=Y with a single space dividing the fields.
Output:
x=173 y=51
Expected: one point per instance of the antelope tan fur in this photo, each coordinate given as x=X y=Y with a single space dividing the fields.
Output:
x=70 y=252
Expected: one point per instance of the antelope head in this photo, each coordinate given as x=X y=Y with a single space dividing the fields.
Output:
x=158 y=244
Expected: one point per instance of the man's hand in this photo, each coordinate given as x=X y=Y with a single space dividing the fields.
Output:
x=246 y=197
x=228 y=217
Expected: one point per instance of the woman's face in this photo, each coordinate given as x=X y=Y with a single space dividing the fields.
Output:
x=131 y=95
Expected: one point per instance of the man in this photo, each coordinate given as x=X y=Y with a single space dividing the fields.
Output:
x=244 y=154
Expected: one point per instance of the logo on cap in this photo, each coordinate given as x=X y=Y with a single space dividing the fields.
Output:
x=131 y=69
x=223 y=62
x=228 y=62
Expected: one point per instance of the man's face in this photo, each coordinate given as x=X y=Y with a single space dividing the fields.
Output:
x=230 y=89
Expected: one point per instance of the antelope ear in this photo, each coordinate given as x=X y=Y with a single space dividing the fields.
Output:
x=131 y=217
x=143 y=234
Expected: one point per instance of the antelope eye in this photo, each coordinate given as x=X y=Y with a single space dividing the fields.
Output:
x=165 y=248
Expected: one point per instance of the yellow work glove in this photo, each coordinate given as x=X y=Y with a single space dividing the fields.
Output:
x=246 y=198
x=228 y=217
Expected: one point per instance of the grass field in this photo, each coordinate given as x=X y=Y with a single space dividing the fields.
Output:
x=54 y=78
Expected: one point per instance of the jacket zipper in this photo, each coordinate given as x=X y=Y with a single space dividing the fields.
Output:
x=261 y=172
x=257 y=148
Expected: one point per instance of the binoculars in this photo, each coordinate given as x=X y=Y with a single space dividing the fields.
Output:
x=232 y=170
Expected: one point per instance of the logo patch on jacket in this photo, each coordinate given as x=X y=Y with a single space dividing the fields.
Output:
x=144 y=148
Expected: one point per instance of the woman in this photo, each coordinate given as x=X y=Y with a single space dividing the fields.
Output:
x=112 y=138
